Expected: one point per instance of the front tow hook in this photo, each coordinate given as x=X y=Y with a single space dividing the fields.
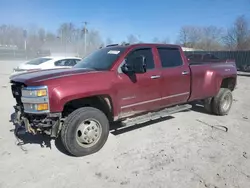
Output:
x=28 y=128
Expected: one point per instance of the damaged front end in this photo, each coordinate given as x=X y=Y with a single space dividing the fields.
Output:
x=32 y=111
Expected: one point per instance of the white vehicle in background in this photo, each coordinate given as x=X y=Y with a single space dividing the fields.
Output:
x=43 y=63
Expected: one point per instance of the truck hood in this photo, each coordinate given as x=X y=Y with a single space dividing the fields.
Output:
x=44 y=75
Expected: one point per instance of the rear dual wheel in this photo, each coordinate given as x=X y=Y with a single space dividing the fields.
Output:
x=85 y=131
x=221 y=103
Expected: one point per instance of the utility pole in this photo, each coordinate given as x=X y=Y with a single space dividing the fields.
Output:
x=85 y=31
x=25 y=37
x=25 y=42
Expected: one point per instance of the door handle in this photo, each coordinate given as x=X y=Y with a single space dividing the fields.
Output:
x=185 y=73
x=155 y=76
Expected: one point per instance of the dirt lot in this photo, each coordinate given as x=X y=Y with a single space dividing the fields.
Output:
x=182 y=151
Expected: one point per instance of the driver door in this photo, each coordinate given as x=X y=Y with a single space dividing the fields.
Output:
x=138 y=93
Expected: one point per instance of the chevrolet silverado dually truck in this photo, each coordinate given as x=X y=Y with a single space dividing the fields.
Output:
x=126 y=83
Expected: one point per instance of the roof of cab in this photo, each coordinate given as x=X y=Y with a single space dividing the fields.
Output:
x=141 y=45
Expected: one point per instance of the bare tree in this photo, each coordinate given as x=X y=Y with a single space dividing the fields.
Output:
x=165 y=41
x=183 y=37
x=65 y=32
x=156 y=40
x=210 y=38
x=189 y=36
x=11 y=35
x=238 y=37
x=109 y=41
x=132 y=39
x=206 y=38
x=94 y=40
x=41 y=34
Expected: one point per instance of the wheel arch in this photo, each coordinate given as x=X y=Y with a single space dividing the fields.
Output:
x=102 y=102
x=228 y=82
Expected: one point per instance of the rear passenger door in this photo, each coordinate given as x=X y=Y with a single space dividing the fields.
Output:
x=141 y=92
x=175 y=80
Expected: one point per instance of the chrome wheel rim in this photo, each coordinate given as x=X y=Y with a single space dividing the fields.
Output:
x=88 y=133
x=226 y=102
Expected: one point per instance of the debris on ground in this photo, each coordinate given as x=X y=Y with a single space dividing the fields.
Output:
x=245 y=117
x=245 y=154
x=219 y=127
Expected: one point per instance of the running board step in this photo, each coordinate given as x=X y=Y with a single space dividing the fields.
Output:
x=156 y=115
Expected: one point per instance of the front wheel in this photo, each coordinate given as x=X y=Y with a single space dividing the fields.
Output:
x=85 y=131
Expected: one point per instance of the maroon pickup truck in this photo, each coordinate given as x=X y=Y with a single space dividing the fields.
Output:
x=125 y=83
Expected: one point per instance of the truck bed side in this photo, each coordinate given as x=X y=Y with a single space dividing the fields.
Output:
x=207 y=79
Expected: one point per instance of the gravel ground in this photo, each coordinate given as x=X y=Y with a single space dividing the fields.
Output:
x=189 y=150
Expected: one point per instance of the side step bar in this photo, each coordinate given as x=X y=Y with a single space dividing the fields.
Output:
x=156 y=115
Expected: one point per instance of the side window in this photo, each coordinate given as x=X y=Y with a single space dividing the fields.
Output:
x=65 y=62
x=70 y=62
x=147 y=53
x=77 y=60
x=170 y=57
x=60 y=62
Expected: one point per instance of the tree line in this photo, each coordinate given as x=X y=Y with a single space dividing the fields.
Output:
x=71 y=38
x=237 y=37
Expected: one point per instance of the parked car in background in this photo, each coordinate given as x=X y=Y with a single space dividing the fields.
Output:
x=43 y=63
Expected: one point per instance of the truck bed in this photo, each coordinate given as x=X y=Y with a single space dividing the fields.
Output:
x=206 y=78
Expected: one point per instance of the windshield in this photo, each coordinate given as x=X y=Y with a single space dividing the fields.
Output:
x=38 y=61
x=101 y=59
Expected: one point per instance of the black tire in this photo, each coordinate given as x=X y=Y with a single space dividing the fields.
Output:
x=71 y=125
x=219 y=102
x=208 y=105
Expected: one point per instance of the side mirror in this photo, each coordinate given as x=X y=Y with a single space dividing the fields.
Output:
x=135 y=65
x=126 y=68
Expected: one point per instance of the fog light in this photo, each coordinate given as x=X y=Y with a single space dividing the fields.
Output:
x=28 y=107
x=42 y=107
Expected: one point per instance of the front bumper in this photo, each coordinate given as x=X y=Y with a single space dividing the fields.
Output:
x=49 y=124
x=28 y=113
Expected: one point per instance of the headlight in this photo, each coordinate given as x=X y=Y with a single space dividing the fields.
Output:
x=34 y=92
x=35 y=99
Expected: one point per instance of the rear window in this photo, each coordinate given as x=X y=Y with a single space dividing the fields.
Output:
x=38 y=61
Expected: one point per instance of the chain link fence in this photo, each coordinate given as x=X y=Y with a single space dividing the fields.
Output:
x=16 y=54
